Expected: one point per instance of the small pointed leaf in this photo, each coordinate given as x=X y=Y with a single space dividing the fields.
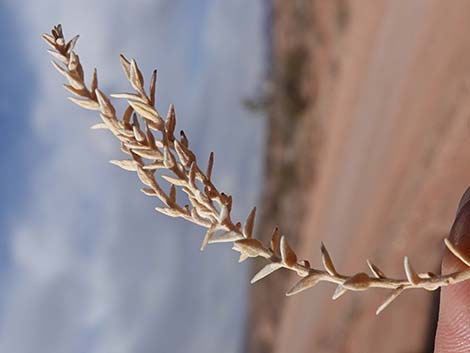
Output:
x=375 y=270
x=275 y=241
x=266 y=271
x=210 y=165
x=153 y=81
x=327 y=262
x=126 y=66
x=393 y=295
x=340 y=290
x=147 y=112
x=210 y=232
x=227 y=237
x=287 y=254
x=411 y=274
x=304 y=283
x=85 y=103
x=125 y=164
x=106 y=107
x=249 y=224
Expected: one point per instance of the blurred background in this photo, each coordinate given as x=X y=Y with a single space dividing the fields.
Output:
x=345 y=121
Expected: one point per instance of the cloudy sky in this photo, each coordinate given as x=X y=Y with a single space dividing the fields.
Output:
x=86 y=263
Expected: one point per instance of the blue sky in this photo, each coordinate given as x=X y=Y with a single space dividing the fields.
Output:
x=87 y=265
x=14 y=171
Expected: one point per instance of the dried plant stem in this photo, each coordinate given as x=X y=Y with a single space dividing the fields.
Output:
x=207 y=206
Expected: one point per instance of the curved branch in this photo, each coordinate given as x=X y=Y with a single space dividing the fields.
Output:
x=207 y=206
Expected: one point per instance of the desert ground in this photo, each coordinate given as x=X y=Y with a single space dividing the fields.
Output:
x=368 y=151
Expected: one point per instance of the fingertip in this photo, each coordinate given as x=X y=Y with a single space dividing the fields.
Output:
x=453 y=330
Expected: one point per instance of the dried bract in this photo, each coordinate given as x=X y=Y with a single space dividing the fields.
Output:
x=266 y=271
x=305 y=283
x=288 y=255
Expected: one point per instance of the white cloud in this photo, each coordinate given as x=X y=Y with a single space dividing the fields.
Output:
x=94 y=269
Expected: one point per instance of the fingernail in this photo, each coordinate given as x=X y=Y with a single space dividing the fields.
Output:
x=463 y=200
x=459 y=235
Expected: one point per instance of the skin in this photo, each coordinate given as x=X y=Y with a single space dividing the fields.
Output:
x=453 y=331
